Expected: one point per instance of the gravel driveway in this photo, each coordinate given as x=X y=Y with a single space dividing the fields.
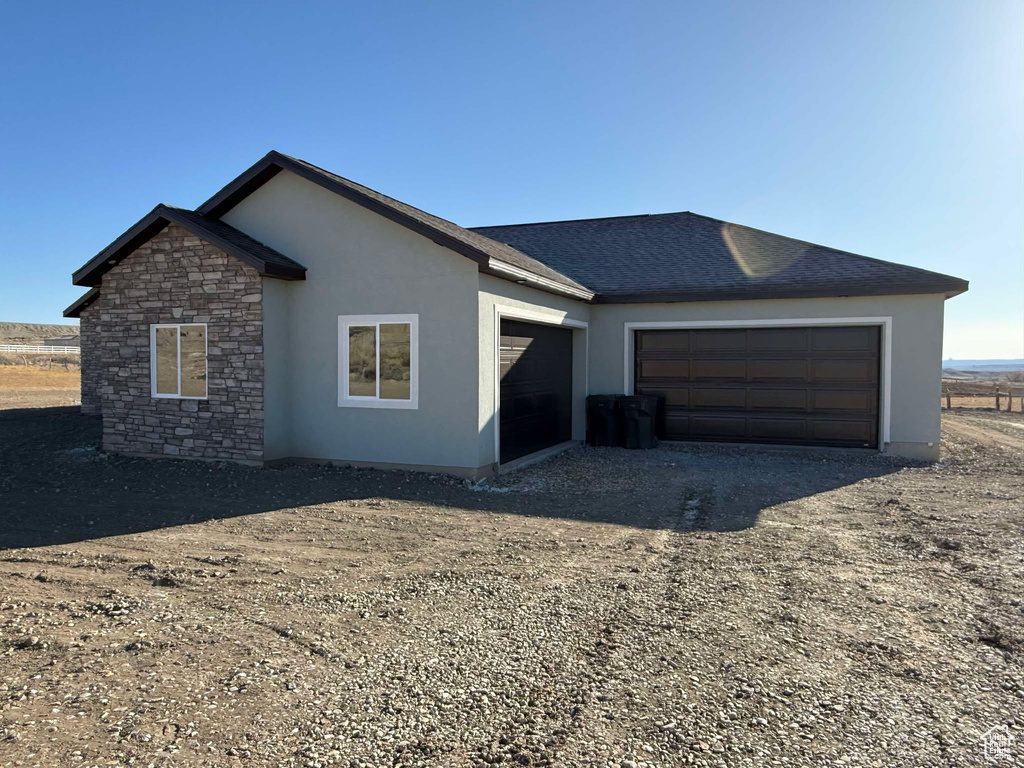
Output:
x=705 y=606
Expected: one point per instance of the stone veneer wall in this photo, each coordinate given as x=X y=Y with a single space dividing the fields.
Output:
x=178 y=278
x=89 y=359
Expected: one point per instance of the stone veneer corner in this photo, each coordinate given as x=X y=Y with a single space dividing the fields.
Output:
x=176 y=277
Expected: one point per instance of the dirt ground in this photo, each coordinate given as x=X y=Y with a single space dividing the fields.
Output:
x=38 y=386
x=706 y=605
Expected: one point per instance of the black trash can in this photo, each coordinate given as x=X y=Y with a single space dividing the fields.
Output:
x=603 y=420
x=638 y=418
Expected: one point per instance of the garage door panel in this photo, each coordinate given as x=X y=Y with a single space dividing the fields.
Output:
x=844 y=338
x=535 y=389
x=718 y=397
x=778 y=339
x=665 y=369
x=718 y=341
x=841 y=431
x=676 y=341
x=778 y=429
x=778 y=399
x=529 y=404
x=848 y=400
x=517 y=342
x=667 y=396
x=719 y=369
x=837 y=369
x=718 y=426
x=675 y=424
x=778 y=370
x=811 y=385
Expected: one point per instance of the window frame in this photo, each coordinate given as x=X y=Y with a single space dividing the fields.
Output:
x=152 y=361
x=345 y=400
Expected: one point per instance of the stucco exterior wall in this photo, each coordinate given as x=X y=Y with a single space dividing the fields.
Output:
x=916 y=360
x=88 y=323
x=361 y=263
x=178 y=278
x=532 y=305
x=276 y=366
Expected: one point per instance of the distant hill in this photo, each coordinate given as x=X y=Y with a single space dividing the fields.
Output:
x=33 y=333
x=985 y=365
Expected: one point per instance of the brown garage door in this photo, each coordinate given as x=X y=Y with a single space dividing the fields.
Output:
x=804 y=386
x=536 y=388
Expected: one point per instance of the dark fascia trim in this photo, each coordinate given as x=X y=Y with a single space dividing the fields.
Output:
x=252 y=179
x=150 y=225
x=949 y=288
x=83 y=301
x=274 y=162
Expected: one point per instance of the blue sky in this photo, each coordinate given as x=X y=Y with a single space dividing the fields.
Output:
x=891 y=129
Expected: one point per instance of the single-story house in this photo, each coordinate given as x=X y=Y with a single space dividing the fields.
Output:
x=298 y=315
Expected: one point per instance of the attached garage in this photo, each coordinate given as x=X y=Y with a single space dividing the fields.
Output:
x=796 y=385
x=536 y=388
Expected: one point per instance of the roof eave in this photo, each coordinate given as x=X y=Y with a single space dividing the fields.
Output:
x=144 y=229
x=946 y=288
x=282 y=271
x=82 y=302
x=520 y=275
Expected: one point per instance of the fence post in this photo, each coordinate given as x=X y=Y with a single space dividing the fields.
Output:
x=949 y=401
x=997 y=399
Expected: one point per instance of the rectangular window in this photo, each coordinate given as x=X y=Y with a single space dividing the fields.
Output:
x=178 y=361
x=378 y=361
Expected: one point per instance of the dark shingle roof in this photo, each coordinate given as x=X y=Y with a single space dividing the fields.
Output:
x=265 y=260
x=688 y=257
x=481 y=249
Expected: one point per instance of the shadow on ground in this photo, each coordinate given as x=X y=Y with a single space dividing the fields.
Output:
x=57 y=487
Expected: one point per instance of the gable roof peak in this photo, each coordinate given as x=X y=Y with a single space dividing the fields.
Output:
x=491 y=256
x=264 y=259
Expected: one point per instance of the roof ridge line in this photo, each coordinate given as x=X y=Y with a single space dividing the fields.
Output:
x=573 y=221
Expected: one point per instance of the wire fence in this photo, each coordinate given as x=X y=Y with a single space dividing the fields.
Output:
x=1011 y=400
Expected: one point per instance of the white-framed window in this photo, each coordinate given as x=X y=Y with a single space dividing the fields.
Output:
x=378 y=361
x=177 y=361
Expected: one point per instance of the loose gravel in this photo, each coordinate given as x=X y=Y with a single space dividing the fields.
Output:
x=704 y=606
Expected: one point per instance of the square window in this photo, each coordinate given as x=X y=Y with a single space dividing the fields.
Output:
x=378 y=361
x=178 y=361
